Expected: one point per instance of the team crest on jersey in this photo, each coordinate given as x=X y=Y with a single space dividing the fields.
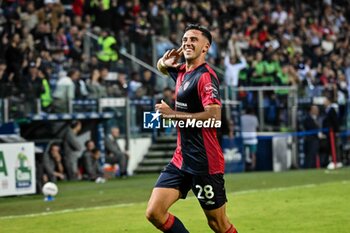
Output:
x=186 y=85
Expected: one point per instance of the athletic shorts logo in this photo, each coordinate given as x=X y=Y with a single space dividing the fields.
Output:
x=210 y=203
x=151 y=120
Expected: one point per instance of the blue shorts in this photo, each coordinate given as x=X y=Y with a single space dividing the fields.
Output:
x=209 y=189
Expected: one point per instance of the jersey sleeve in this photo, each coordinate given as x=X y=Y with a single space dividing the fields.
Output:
x=173 y=72
x=208 y=89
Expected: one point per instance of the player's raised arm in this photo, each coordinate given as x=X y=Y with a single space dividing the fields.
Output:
x=169 y=60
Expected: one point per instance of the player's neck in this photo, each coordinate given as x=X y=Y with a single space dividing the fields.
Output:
x=193 y=64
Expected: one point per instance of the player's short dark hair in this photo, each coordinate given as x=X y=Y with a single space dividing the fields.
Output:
x=204 y=30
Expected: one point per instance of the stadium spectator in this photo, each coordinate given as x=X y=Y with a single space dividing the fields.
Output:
x=113 y=87
x=89 y=65
x=4 y=41
x=114 y=154
x=95 y=88
x=71 y=149
x=331 y=123
x=107 y=54
x=64 y=92
x=122 y=85
x=141 y=32
x=73 y=34
x=27 y=42
x=148 y=83
x=80 y=88
x=51 y=12
x=342 y=96
x=232 y=69
x=90 y=162
x=213 y=53
x=46 y=96
x=2 y=75
x=6 y=84
x=311 y=143
x=52 y=162
x=78 y=7
x=76 y=53
x=100 y=11
x=15 y=59
x=347 y=71
x=279 y=15
x=134 y=84
x=32 y=86
x=237 y=45
x=250 y=125
x=331 y=119
x=29 y=17
x=43 y=37
x=258 y=76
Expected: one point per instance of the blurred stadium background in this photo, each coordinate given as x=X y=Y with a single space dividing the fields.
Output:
x=73 y=70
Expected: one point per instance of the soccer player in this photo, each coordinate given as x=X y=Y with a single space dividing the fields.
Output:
x=198 y=162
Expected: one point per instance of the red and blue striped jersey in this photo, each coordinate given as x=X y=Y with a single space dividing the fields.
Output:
x=198 y=150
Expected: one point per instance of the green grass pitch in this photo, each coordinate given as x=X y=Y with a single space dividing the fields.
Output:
x=314 y=201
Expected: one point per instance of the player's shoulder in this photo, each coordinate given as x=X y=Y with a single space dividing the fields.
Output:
x=207 y=74
x=207 y=70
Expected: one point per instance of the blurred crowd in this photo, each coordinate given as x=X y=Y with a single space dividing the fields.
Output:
x=257 y=43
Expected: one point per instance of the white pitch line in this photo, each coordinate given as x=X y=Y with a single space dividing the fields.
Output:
x=68 y=211
x=276 y=189
x=238 y=193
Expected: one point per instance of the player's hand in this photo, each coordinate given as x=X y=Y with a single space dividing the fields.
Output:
x=171 y=58
x=165 y=110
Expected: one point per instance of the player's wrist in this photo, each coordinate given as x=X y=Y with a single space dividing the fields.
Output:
x=162 y=63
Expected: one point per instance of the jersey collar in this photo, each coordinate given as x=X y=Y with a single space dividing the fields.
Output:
x=183 y=67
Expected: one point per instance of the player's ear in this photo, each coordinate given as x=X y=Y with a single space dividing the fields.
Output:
x=206 y=48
